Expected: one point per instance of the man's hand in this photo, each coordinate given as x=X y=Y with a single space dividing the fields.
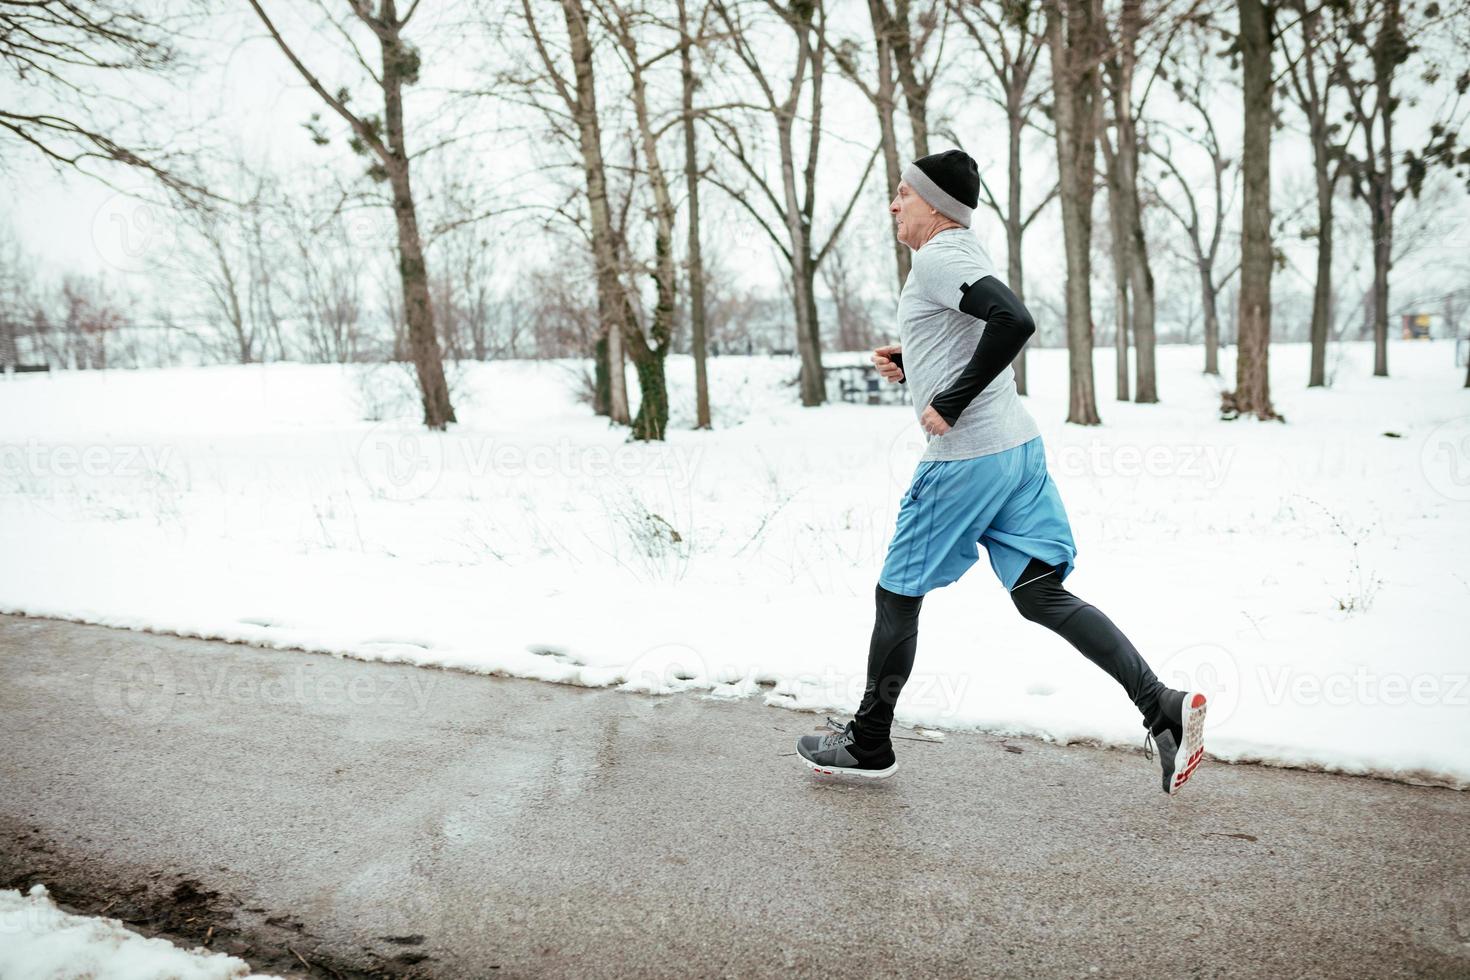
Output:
x=933 y=423
x=883 y=359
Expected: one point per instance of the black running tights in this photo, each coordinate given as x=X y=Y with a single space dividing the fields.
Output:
x=1041 y=598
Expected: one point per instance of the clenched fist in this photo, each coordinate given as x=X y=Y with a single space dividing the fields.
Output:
x=889 y=361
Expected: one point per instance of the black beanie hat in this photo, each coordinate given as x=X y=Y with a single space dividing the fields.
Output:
x=950 y=181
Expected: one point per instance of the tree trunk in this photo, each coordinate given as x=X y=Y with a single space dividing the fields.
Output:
x=803 y=276
x=696 y=261
x=1122 y=262
x=1382 y=262
x=417 y=309
x=653 y=409
x=1015 y=224
x=1141 y=277
x=1322 y=289
x=885 y=108
x=610 y=299
x=916 y=96
x=1142 y=291
x=601 y=378
x=1388 y=51
x=1077 y=96
x=1210 y=294
x=1253 y=330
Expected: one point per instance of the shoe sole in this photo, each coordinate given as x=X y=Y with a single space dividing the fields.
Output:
x=841 y=771
x=1192 y=752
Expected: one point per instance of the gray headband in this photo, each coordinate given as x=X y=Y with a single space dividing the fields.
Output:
x=931 y=192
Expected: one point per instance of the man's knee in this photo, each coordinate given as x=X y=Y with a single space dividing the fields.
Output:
x=896 y=603
x=1042 y=599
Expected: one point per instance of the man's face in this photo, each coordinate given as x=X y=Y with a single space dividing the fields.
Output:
x=912 y=214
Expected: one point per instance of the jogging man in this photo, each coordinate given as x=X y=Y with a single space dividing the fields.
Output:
x=981 y=480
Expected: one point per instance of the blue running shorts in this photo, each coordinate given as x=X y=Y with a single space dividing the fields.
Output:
x=1005 y=501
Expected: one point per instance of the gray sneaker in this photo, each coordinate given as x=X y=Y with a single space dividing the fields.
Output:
x=1181 y=748
x=836 y=753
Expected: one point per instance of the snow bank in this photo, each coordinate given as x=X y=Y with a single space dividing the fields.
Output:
x=1310 y=575
x=38 y=941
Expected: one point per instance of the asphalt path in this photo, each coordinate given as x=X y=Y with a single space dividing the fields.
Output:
x=331 y=817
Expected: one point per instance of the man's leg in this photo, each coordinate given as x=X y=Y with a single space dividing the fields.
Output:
x=890 y=660
x=946 y=508
x=1041 y=598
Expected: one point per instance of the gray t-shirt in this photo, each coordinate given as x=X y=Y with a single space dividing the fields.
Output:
x=938 y=341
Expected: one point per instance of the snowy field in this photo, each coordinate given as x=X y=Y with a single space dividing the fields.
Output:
x=1311 y=575
x=39 y=940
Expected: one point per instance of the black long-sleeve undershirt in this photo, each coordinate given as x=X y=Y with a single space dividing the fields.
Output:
x=1008 y=326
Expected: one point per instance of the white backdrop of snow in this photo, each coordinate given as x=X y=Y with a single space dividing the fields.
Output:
x=1309 y=575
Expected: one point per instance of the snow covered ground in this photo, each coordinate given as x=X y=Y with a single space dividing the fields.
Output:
x=38 y=941
x=1310 y=574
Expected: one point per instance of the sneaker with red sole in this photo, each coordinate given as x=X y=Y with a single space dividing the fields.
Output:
x=1180 y=750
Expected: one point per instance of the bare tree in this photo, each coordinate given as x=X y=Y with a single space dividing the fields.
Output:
x=648 y=350
x=687 y=85
x=855 y=327
x=566 y=96
x=1252 y=395
x=903 y=37
x=1374 y=100
x=1315 y=75
x=882 y=96
x=1127 y=52
x=909 y=46
x=1073 y=38
x=1011 y=38
x=384 y=139
x=19 y=298
x=91 y=317
x=795 y=206
x=226 y=255
x=327 y=287
x=51 y=49
x=1189 y=89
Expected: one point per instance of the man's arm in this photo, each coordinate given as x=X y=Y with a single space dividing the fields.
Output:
x=1007 y=328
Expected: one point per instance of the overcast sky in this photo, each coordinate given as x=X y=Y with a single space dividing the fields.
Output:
x=243 y=96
